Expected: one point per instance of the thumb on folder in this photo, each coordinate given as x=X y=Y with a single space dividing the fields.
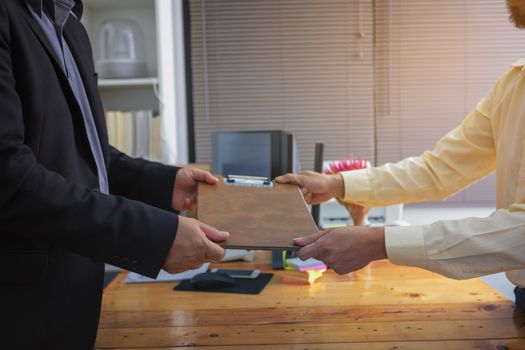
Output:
x=316 y=187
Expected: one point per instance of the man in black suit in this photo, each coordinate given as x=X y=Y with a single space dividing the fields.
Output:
x=69 y=202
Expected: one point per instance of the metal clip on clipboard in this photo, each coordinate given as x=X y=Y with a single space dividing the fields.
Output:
x=248 y=181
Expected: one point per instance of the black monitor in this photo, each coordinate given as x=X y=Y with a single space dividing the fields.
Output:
x=253 y=153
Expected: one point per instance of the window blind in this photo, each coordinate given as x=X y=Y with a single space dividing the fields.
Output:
x=381 y=79
x=303 y=66
x=434 y=61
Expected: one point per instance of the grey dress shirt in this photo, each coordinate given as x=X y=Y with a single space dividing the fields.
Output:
x=52 y=15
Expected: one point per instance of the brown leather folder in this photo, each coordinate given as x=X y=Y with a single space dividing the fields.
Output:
x=256 y=217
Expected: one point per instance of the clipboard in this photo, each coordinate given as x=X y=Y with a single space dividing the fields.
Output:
x=258 y=213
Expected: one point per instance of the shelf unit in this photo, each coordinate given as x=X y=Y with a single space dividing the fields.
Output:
x=121 y=83
x=163 y=90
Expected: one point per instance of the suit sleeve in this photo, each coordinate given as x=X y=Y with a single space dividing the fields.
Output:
x=142 y=180
x=37 y=203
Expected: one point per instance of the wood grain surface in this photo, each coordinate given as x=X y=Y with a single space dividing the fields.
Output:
x=379 y=307
x=254 y=216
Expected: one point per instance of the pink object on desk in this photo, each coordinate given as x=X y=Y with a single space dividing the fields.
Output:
x=357 y=212
x=347 y=165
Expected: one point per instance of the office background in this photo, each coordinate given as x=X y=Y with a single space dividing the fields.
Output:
x=381 y=79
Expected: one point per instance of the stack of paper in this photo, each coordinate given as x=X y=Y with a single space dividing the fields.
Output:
x=303 y=272
x=165 y=276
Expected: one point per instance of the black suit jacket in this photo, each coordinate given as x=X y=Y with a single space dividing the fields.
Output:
x=56 y=229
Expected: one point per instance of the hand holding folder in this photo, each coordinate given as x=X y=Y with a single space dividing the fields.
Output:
x=258 y=214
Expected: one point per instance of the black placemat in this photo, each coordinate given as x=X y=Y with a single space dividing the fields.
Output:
x=242 y=285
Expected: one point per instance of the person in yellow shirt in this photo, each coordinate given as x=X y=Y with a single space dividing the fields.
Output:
x=491 y=138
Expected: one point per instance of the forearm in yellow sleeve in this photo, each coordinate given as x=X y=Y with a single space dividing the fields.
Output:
x=463 y=156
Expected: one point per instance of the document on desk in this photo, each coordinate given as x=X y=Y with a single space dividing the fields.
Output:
x=164 y=276
x=263 y=216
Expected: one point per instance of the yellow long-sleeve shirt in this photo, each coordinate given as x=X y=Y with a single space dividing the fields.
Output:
x=491 y=138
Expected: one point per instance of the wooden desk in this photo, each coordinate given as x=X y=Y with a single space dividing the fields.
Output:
x=380 y=307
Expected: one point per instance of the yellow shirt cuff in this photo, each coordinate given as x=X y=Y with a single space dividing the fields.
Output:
x=357 y=186
x=405 y=245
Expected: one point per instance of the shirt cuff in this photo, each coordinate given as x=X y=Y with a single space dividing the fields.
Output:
x=357 y=185
x=405 y=245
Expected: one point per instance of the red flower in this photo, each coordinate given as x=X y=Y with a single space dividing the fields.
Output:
x=346 y=165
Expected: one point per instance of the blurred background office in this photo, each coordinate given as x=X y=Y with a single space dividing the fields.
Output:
x=379 y=79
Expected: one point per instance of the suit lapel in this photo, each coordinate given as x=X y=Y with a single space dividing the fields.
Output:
x=64 y=81
x=70 y=34
x=78 y=43
x=35 y=27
